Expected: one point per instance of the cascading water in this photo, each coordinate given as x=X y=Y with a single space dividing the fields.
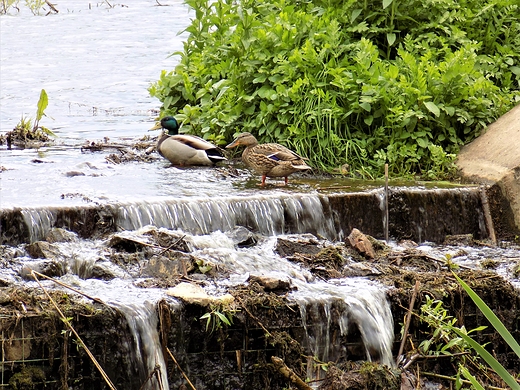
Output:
x=362 y=303
x=142 y=320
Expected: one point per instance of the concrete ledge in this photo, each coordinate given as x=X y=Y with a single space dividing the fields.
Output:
x=494 y=159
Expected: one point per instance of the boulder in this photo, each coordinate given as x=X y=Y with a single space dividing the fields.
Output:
x=494 y=159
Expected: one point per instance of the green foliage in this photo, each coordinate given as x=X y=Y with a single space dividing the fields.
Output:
x=29 y=134
x=220 y=315
x=403 y=82
x=30 y=131
x=448 y=339
x=499 y=327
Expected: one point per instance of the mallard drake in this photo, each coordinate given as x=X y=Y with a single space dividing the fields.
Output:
x=273 y=160
x=183 y=149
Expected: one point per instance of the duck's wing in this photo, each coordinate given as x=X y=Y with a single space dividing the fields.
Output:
x=277 y=152
x=193 y=141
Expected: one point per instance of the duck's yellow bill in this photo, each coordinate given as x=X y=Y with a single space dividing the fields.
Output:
x=156 y=127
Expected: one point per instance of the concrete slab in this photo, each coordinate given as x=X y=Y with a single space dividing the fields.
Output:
x=494 y=159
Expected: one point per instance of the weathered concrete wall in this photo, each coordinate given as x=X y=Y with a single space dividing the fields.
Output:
x=494 y=159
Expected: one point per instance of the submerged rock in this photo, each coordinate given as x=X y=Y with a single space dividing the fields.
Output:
x=43 y=250
x=60 y=235
x=50 y=268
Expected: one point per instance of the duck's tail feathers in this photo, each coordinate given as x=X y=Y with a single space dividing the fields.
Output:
x=301 y=167
x=215 y=155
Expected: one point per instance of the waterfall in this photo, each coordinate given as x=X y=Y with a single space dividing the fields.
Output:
x=142 y=321
x=361 y=303
x=265 y=214
x=38 y=222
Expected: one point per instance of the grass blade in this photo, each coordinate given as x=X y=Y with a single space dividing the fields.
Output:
x=491 y=317
x=490 y=360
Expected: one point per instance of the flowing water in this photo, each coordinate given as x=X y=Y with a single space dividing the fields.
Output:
x=96 y=62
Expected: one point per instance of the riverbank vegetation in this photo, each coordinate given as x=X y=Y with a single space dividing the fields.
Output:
x=402 y=82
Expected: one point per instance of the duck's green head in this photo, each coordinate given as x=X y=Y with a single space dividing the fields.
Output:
x=169 y=123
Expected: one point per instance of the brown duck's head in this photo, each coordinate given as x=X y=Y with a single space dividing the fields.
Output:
x=243 y=139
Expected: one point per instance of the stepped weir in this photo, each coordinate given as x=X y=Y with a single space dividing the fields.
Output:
x=415 y=214
x=125 y=258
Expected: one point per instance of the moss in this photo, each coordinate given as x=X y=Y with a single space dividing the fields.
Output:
x=27 y=379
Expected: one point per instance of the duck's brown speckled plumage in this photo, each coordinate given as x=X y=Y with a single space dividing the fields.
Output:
x=269 y=160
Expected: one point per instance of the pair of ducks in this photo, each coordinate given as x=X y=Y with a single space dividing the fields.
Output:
x=268 y=160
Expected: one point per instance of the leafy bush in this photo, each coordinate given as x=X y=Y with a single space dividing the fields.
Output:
x=403 y=82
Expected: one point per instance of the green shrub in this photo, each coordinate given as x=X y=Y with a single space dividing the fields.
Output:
x=402 y=82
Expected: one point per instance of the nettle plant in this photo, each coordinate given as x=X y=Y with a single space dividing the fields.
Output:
x=403 y=82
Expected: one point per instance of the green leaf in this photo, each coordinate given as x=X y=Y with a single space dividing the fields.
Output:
x=471 y=378
x=432 y=107
x=490 y=360
x=386 y=3
x=355 y=14
x=223 y=318
x=491 y=317
x=42 y=105
x=366 y=106
x=390 y=37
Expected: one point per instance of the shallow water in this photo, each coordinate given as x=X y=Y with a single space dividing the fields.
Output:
x=96 y=64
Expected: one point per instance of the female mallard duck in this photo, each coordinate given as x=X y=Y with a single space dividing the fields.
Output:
x=271 y=159
x=183 y=149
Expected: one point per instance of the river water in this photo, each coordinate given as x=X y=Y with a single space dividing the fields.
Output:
x=96 y=63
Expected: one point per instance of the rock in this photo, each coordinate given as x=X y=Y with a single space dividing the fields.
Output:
x=60 y=235
x=43 y=250
x=100 y=272
x=460 y=240
x=360 y=269
x=242 y=237
x=16 y=347
x=494 y=158
x=286 y=247
x=127 y=242
x=361 y=243
x=192 y=293
x=50 y=268
x=166 y=268
x=271 y=284
x=167 y=239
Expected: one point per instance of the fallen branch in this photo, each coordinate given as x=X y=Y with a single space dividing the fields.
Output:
x=156 y=372
x=409 y=317
x=179 y=367
x=487 y=216
x=52 y=6
x=289 y=374
x=67 y=286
